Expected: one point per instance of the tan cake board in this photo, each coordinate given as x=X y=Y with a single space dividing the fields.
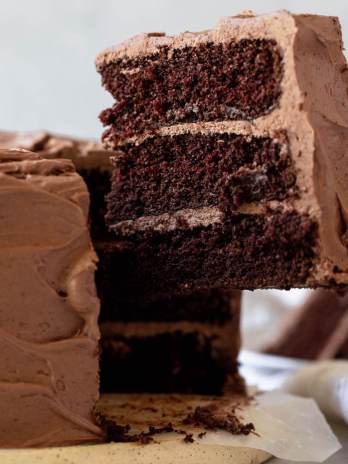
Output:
x=130 y=453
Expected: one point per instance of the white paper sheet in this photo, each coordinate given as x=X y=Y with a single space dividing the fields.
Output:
x=288 y=427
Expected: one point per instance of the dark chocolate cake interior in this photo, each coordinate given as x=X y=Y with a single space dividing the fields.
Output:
x=208 y=82
x=189 y=171
x=247 y=251
x=167 y=362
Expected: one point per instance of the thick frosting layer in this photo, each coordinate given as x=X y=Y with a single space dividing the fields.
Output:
x=312 y=112
x=48 y=305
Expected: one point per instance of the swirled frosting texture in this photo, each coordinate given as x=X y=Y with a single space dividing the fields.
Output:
x=48 y=306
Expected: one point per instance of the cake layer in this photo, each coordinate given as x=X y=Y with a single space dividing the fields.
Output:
x=207 y=82
x=213 y=306
x=193 y=358
x=274 y=249
x=189 y=171
x=49 y=309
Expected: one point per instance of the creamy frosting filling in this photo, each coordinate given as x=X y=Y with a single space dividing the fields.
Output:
x=191 y=218
x=185 y=218
x=247 y=128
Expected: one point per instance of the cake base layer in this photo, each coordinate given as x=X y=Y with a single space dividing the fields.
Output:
x=247 y=251
x=182 y=362
x=209 y=82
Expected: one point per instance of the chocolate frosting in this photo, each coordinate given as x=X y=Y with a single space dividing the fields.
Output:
x=85 y=154
x=49 y=309
x=313 y=112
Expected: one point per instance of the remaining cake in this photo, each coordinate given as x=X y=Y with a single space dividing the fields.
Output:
x=187 y=343
x=90 y=159
x=317 y=330
x=231 y=161
x=49 y=332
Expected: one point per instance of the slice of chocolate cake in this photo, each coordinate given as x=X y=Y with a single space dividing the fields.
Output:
x=48 y=306
x=230 y=166
x=181 y=344
x=317 y=330
x=189 y=344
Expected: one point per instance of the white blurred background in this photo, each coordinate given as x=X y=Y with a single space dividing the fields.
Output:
x=48 y=80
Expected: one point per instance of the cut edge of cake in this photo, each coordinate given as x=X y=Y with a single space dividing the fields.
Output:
x=311 y=112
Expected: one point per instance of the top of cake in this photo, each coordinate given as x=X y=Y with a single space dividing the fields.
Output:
x=85 y=154
x=242 y=26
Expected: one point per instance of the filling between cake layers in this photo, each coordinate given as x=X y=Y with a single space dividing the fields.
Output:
x=207 y=82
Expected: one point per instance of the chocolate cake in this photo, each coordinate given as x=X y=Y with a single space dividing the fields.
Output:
x=229 y=161
x=49 y=309
x=187 y=343
x=317 y=330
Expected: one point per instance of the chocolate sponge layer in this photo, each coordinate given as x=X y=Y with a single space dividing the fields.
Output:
x=168 y=362
x=169 y=173
x=210 y=82
x=246 y=251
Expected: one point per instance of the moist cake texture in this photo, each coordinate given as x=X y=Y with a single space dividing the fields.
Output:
x=205 y=82
x=49 y=309
x=229 y=158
